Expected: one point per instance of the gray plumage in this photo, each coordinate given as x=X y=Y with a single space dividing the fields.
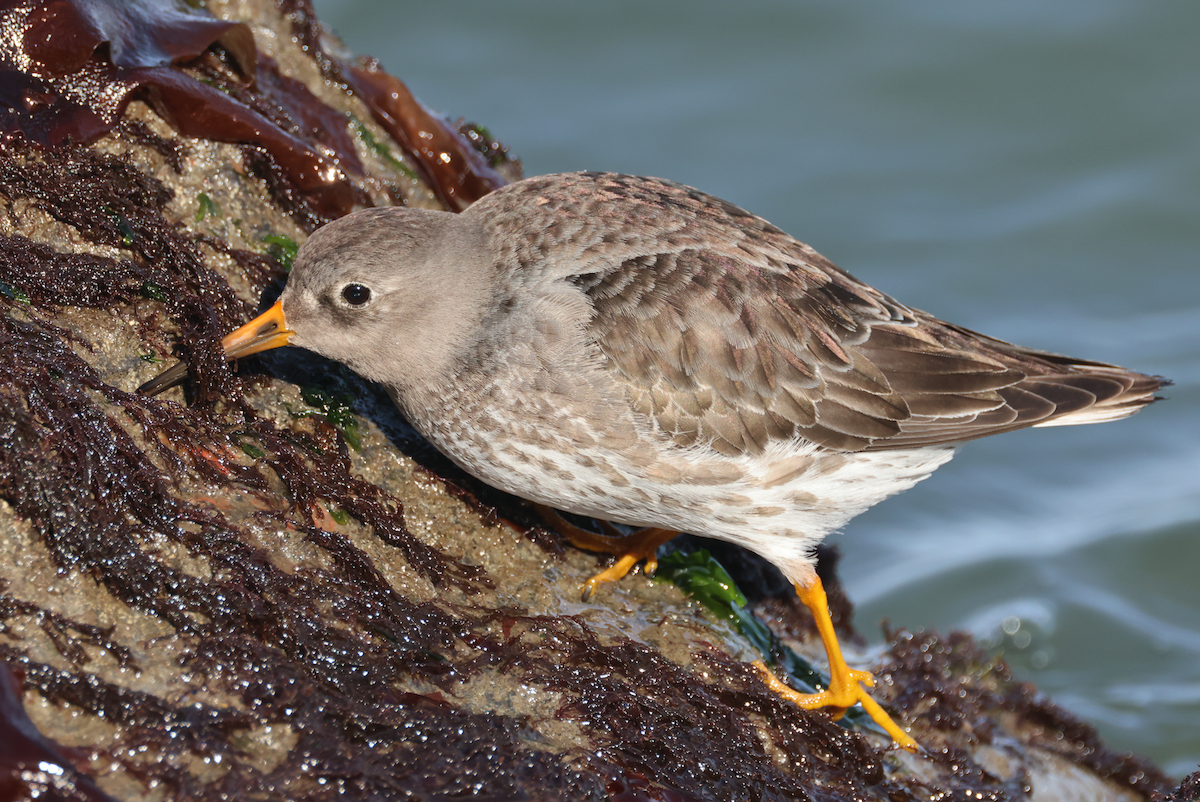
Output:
x=637 y=350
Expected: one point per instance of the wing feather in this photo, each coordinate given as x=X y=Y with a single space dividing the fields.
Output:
x=724 y=330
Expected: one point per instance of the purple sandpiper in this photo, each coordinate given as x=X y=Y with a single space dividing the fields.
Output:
x=637 y=351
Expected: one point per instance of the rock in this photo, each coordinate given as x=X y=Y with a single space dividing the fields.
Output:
x=265 y=585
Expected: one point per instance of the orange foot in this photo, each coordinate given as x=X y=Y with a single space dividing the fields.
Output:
x=629 y=549
x=845 y=684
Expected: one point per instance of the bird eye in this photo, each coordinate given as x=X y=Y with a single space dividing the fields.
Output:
x=356 y=294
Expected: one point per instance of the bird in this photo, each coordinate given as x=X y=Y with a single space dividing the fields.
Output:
x=637 y=351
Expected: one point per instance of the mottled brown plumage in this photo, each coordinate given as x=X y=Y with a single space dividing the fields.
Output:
x=638 y=351
x=731 y=333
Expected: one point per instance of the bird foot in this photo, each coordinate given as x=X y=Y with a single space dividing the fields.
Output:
x=629 y=549
x=839 y=698
x=637 y=550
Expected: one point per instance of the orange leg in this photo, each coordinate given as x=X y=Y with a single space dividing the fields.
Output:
x=845 y=684
x=629 y=549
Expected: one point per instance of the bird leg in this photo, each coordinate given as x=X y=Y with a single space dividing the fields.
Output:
x=845 y=683
x=629 y=549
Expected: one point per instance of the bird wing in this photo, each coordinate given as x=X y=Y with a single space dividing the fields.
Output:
x=732 y=333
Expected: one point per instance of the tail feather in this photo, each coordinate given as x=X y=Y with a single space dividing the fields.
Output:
x=1116 y=393
x=1046 y=390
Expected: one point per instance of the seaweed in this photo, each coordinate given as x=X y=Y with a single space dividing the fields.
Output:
x=31 y=765
x=193 y=515
x=75 y=95
x=282 y=249
x=705 y=580
x=383 y=151
x=336 y=407
x=206 y=207
x=63 y=429
x=457 y=172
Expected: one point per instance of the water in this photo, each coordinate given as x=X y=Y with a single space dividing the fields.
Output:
x=1027 y=169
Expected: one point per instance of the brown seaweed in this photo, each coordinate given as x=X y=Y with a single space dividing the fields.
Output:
x=460 y=174
x=68 y=70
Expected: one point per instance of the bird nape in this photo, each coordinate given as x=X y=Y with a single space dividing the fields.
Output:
x=637 y=351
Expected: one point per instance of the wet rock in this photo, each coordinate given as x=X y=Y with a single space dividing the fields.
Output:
x=264 y=584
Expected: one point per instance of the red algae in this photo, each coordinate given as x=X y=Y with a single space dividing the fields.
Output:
x=456 y=164
x=62 y=35
x=312 y=117
x=31 y=765
x=329 y=649
x=952 y=690
x=1188 y=791
x=459 y=173
x=74 y=85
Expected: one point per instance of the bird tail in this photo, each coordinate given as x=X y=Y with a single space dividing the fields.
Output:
x=1096 y=394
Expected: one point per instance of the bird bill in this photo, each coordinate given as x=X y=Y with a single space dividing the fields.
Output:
x=268 y=330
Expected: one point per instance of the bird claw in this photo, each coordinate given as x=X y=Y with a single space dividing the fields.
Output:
x=837 y=699
x=865 y=677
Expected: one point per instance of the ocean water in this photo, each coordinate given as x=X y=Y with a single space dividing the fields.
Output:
x=1027 y=169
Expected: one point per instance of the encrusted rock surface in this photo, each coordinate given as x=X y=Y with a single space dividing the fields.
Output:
x=264 y=585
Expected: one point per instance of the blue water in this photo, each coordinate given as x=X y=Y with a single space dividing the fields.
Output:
x=1028 y=169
